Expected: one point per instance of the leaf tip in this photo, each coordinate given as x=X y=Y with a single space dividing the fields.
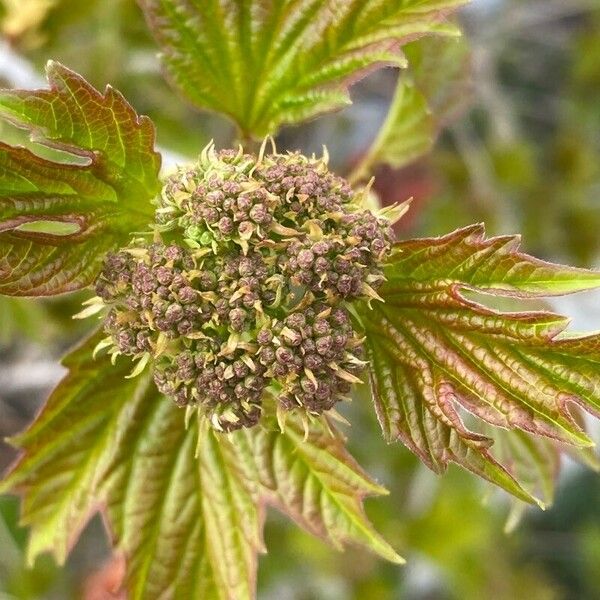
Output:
x=52 y=67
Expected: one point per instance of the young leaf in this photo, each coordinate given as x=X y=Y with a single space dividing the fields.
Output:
x=317 y=483
x=441 y=69
x=407 y=133
x=98 y=198
x=534 y=461
x=189 y=526
x=427 y=95
x=265 y=64
x=68 y=446
x=433 y=350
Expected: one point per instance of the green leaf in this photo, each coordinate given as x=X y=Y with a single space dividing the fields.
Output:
x=441 y=70
x=317 y=483
x=66 y=447
x=465 y=258
x=265 y=64
x=427 y=95
x=58 y=220
x=435 y=352
x=534 y=461
x=189 y=526
x=407 y=133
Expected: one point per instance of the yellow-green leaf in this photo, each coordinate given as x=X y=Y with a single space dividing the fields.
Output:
x=427 y=95
x=435 y=353
x=184 y=505
x=58 y=219
x=264 y=64
x=317 y=483
x=407 y=133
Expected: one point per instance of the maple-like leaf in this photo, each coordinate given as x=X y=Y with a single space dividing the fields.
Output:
x=58 y=219
x=434 y=351
x=428 y=95
x=441 y=69
x=265 y=64
x=185 y=505
x=407 y=133
x=313 y=479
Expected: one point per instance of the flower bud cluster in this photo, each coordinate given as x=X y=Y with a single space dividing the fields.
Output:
x=246 y=290
x=313 y=355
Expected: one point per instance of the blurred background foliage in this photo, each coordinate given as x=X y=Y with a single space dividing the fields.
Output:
x=515 y=107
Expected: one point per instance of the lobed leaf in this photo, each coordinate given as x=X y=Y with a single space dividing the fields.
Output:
x=407 y=133
x=465 y=258
x=189 y=526
x=317 y=483
x=533 y=461
x=441 y=69
x=435 y=352
x=265 y=64
x=99 y=197
x=427 y=96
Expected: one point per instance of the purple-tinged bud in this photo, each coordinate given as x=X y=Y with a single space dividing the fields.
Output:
x=214 y=198
x=248 y=300
x=246 y=266
x=163 y=292
x=240 y=369
x=245 y=229
x=174 y=313
x=210 y=215
x=313 y=362
x=324 y=345
x=279 y=369
x=173 y=253
x=266 y=356
x=321 y=248
x=187 y=295
x=340 y=340
x=308 y=385
x=284 y=355
x=345 y=285
x=207 y=281
x=322 y=265
x=225 y=226
x=340 y=316
x=237 y=319
x=185 y=327
x=126 y=342
x=321 y=327
x=323 y=391
x=286 y=402
x=305 y=259
x=264 y=337
x=244 y=202
x=231 y=187
x=308 y=345
x=260 y=215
